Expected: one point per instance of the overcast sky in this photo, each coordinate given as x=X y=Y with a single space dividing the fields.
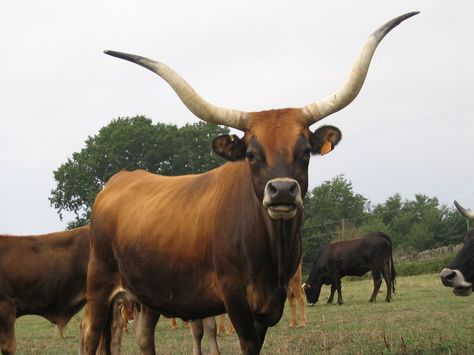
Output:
x=410 y=130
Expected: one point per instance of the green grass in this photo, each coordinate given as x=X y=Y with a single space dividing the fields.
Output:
x=424 y=318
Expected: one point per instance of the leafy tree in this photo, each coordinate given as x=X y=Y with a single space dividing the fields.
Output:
x=131 y=143
x=328 y=209
x=417 y=224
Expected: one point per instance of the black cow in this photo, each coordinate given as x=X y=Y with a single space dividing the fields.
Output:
x=459 y=273
x=373 y=252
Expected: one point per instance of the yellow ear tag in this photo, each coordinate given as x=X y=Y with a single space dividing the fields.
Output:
x=326 y=148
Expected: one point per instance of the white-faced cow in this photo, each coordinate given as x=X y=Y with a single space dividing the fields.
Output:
x=356 y=257
x=459 y=274
x=194 y=246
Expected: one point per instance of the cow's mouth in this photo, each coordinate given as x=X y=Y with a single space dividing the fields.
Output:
x=282 y=211
x=463 y=290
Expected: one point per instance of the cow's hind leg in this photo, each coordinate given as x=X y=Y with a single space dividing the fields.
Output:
x=197 y=331
x=101 y=283
x=387 y=276
x=211 y=332
x=144 y=326
x=302 y=303
x=292 y=302
x=377 y=283
x=7 y=328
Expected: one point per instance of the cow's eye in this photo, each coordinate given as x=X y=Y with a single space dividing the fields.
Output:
x=250 y=155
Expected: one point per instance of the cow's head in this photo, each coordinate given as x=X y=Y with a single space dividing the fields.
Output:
x=312 y=287
x=276 y=144
x=459 y=274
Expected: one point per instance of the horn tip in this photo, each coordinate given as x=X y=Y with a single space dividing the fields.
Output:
x=112 y=53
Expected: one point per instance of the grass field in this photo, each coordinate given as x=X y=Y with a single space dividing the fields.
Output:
x=424 y=318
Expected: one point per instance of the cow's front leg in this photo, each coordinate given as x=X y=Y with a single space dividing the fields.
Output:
x=337 y=282
x=250 y=338
x=331 y=296
x=7 y=328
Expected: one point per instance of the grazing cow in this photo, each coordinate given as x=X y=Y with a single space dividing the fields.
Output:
x=356 y=257
x=195 y=246
x=459 y=274
x=43 y=275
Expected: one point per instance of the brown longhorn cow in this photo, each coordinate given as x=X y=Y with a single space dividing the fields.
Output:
x=194 y=246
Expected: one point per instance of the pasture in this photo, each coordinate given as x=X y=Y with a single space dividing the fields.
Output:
x=424 y=318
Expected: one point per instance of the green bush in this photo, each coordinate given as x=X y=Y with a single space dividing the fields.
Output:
x=419 y=267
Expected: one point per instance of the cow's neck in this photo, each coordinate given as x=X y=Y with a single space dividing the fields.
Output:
x=284 y=244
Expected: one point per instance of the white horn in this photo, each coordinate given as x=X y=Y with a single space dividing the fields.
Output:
x=466 y=213
x=348 y=92
x=195 y=103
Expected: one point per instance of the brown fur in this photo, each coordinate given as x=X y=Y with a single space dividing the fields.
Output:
x=43 y=275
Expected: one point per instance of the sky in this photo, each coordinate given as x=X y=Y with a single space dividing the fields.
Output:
x=409 y=131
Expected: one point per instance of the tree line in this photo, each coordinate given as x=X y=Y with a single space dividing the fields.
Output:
x=332 y=211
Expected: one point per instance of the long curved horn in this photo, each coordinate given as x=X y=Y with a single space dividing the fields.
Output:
x=466 y=213
x=195 y=103
x=348 y=92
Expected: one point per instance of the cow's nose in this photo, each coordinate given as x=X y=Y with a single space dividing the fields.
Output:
x=447 y=277
x=282 y=190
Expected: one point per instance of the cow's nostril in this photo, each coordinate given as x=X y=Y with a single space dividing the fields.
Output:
x=450 y=276
x=293 y=188
x=272 y=189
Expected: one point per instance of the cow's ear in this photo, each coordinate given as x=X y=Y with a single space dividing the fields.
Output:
x=229 y=147
x=324 y=139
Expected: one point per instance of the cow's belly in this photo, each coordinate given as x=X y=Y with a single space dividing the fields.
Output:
x=173 y=286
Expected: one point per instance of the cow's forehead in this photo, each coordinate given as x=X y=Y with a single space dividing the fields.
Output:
x=277 y=131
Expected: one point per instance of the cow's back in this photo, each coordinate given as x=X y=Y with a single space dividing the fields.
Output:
x=355 y=257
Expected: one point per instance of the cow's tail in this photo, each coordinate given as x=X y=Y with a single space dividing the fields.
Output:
x=393 y=274
x=392 y=269
x=106 y=335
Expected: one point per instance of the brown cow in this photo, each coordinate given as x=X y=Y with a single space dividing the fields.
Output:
x=50 y=281
x=195 y=246
x=43 y=275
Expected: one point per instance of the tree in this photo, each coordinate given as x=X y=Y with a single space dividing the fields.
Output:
x=330 y=211
x=131 y=143
x=417 y=224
